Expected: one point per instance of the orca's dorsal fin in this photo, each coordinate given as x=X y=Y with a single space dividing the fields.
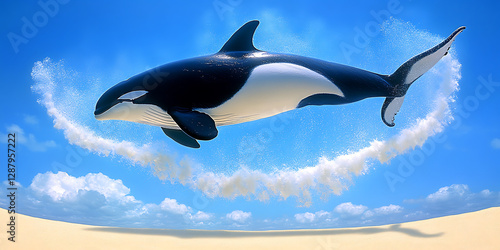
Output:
x=242 y=39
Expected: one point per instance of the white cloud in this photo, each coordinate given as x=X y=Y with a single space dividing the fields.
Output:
x=28 y=140
x=202 y=216
x=62 y=186
x=99 y=200
x=172 y=206
x=308 y=217
x=239 y=216
x=455 y=191
x=305 y=217
x=495 y=143
x=386 y=210
x=349 y=215
x=456 y=198
x=486 y=193
x=30 y=119
x=382 y=211
x=348 y=209
x=368 y=214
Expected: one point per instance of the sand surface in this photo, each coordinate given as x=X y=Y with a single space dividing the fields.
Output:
x=476 y=230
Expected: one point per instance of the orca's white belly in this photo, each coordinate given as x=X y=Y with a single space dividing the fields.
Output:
x=142 y=113
x=271 y=89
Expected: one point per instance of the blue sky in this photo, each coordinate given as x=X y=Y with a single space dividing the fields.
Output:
x=265 y=174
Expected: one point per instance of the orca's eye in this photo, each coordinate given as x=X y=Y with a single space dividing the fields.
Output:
x=132 y=95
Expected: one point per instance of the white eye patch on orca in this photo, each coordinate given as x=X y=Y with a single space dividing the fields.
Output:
x=132 y=95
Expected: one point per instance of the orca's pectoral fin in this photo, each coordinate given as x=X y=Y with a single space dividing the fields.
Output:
x=182 y=138
x=198 y=125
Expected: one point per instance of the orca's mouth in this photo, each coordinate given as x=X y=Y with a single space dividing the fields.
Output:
x=101 y=109
x=103 y=104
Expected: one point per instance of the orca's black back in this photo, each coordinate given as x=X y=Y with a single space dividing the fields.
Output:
x=207 y=82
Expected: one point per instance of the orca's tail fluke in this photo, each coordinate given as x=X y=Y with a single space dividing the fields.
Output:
x=410 y=71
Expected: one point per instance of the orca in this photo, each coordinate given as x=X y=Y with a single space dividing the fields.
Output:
x=190 y=98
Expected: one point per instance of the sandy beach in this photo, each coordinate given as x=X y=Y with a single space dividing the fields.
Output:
x=476 y=230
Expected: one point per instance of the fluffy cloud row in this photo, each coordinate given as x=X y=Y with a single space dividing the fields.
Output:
x=453 y=199
x=239 y=216
x=99 y=200
x=348 y=214
x=61 y=186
